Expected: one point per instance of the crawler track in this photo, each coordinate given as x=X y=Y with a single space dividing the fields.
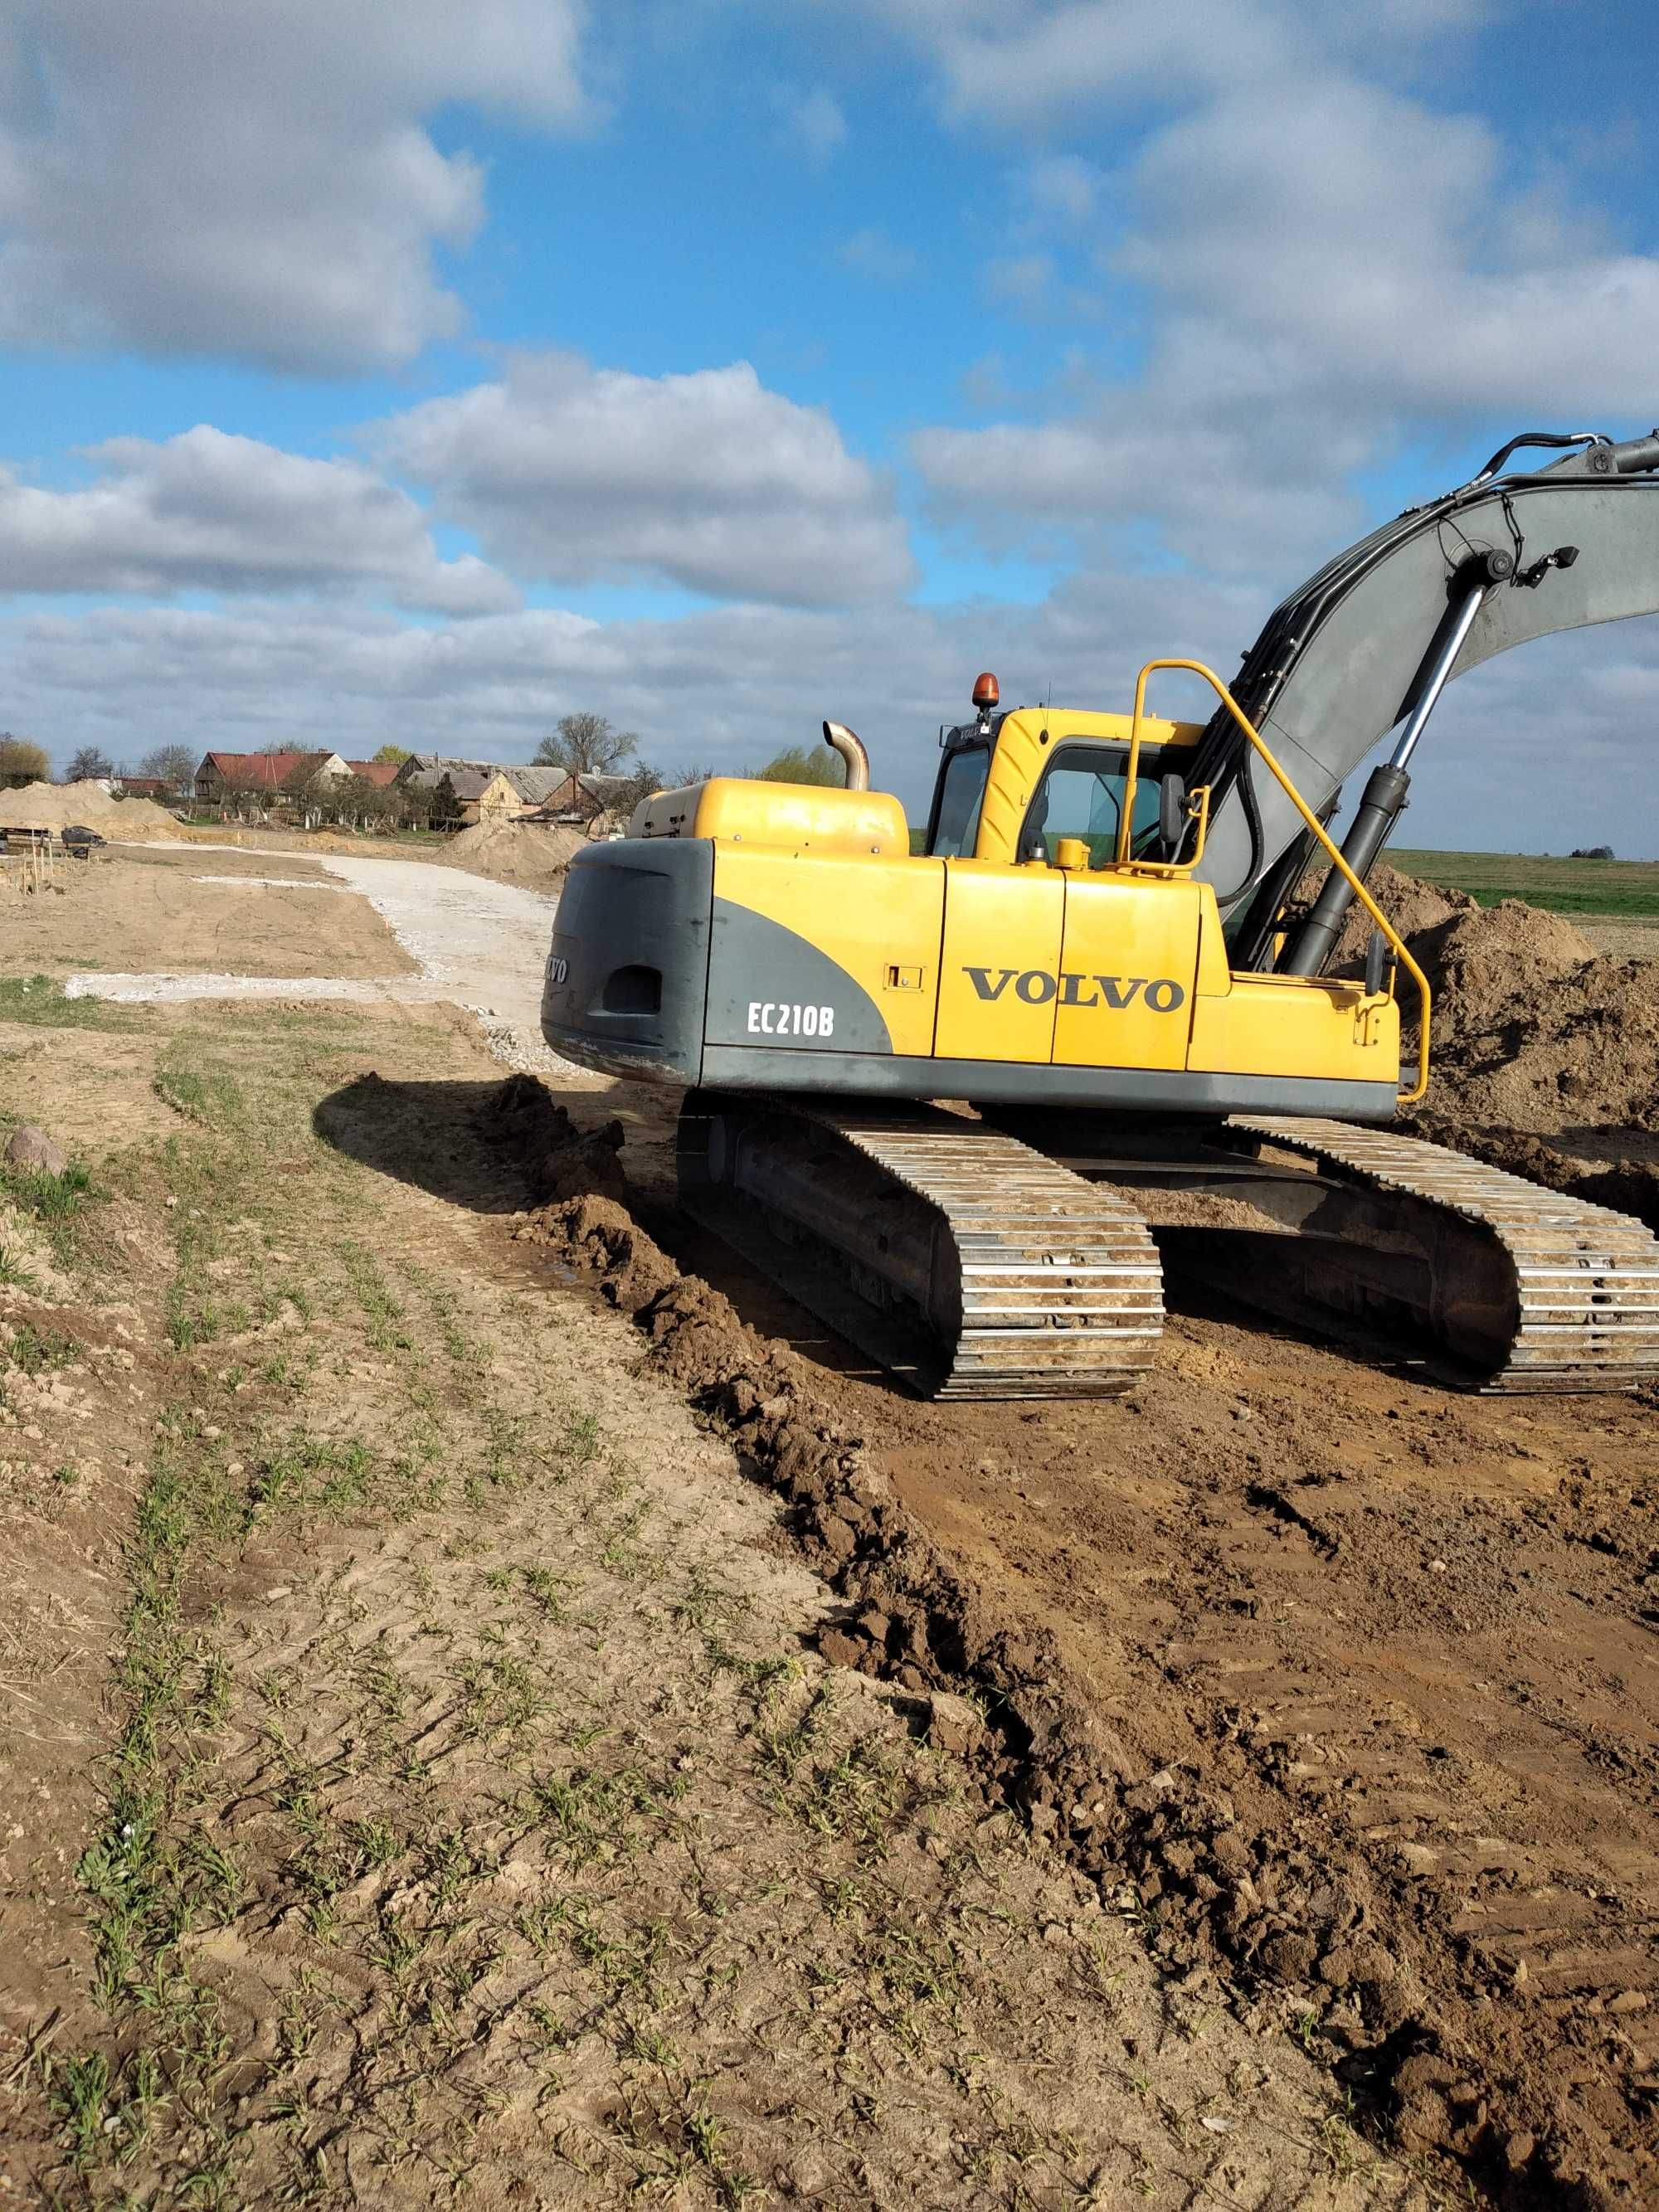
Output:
x=1577 y=1284
x=1022 y=1279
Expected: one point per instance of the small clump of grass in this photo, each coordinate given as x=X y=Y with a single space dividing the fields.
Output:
x=56 y=1201
x=40 y=1351
x=201 y=1092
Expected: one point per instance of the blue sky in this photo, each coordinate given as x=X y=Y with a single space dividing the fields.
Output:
x=425 y=373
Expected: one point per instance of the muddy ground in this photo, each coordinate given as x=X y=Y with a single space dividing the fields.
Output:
x=1356 y=1678
x=434 y=1765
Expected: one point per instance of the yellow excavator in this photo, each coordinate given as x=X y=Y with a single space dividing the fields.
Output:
x=938 y=1095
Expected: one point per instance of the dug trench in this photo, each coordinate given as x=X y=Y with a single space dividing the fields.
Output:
x=1351 y=1679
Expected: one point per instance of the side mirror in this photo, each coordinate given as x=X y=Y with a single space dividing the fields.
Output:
x=1379 y=964
x=1171 y=813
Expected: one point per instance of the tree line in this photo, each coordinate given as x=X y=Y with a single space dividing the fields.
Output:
x=581 y=744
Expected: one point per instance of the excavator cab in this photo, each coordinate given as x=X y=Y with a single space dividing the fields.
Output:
x=1081 y=795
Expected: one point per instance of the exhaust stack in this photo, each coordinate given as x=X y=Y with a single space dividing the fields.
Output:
x=850 y=746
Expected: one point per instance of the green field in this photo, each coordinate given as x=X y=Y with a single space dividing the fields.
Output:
x=1628 y=889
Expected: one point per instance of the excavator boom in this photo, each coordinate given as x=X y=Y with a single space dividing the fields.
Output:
x=1344 y=658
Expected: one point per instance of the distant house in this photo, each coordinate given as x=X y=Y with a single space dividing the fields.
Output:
x=381 y=773
x=579 y=798
x=486 y=793
x=224 y=778
x=146 y=787
x=534 y=784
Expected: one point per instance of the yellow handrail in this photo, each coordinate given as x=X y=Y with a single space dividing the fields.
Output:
x=1396 y=941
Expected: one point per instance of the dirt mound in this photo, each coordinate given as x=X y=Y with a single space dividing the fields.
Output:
x=1534 y=1029
x=56 y=806
x=1411 y=906
x=531 y=854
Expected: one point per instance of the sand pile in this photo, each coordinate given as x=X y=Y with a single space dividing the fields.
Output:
x=533 y=853
x=1411 y=906
x=56 y=806
x=1537 y=1030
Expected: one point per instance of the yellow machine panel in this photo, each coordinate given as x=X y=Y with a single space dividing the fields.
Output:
x=1296 y=1025
x=1000 y=964
x=880 y=924
x=1128 y=966
x=796 y=817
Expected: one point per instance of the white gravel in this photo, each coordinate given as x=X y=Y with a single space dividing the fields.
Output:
x=478 y=944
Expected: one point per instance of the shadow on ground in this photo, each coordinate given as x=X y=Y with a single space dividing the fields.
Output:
x=443 y=1137
x=503 y=1148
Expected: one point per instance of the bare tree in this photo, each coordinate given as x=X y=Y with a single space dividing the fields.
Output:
x=173 y=765
x=22 y=760
x=586 y=745
x=88 y=764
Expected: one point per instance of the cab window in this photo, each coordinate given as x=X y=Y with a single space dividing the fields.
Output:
x=1081 y=795
x=961 y=792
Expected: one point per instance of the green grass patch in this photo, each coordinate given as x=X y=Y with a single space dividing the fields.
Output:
x=40 y=1351
x=202 y=1092
x=57 y=1202
x=40 y=1001
x=1622 y=890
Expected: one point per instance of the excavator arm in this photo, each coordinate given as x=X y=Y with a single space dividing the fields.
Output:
x=1368 y=642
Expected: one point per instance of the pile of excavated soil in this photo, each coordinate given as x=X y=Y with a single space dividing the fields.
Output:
x=1411 y=906
x=1534 y=1029
x=524 y=852
x=56 y=806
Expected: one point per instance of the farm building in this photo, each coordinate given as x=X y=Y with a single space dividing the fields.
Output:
x=580 y=796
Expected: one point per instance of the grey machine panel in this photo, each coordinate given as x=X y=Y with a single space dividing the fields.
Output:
x=1010 y=1083
x=1335 y=668
x=627 y=972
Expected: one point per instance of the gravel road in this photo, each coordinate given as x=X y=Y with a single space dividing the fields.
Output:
x=479 y=942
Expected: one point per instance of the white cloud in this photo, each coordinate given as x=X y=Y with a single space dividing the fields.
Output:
x=733 y=684
x=811 y=124
x=708 y=480
x=1036 y=63
x=1063 y=185
x=875 y=253
x=254 y=181
x=1313 y=265
x=206 y=511
x=730 y=683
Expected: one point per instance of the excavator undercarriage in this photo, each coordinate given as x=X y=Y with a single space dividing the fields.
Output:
x=1019 y=1259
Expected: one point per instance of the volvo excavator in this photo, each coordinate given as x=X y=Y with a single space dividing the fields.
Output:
x=937 y=1094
